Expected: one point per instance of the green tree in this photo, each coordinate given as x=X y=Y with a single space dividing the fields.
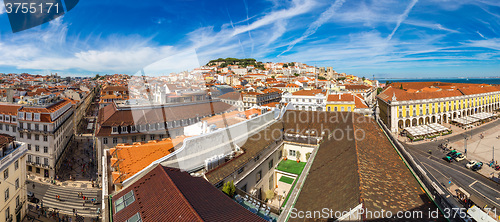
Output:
x=229 y=188
x=297 y=154
x=273 y=77
x=401 y=87
x=321 y=78
x=295 y=74
x=363 y=78
x=285 y=65
x=379 y=90
x=308 y=154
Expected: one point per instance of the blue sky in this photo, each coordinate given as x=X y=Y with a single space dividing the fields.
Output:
x=385 y=38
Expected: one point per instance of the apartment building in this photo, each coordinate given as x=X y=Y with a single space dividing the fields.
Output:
x=8 y=118
x=311 y=100
x=13 y=202
x=435 y=102
x=251 y=99
x=347 y=102
x=110 y=94
x=47 y=130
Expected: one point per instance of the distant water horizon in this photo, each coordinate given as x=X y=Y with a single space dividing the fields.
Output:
x=485 y=80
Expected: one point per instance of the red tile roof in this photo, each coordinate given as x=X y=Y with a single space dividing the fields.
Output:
x=167 y=194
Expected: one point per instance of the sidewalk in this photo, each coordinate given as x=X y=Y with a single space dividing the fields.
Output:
x=35 y=216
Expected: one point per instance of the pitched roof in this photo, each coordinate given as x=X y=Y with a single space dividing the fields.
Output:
x=9 y=109
x=311 y=92
x=231 y=96
x=131 y=159
x=350 y=172
x=167 y=194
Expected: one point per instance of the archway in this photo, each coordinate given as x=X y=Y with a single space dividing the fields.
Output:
x=427 y=120
x=433 y=119
x=407 y=123
x=454 y=115
x=444 y=118
x=421 y=121
x=414 y=122
x=400 y=124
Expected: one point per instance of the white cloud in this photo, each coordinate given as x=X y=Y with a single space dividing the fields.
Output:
x=482 y=36
x=402 y=17
x=324 y=17
x=2 y=7
x=430 y=25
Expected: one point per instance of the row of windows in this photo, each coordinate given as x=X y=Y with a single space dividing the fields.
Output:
x=37 y=136
x=35 y=126
x=37 y=148
x=133 y=138
x=7 y=118
x=8 y=128
x=342 y=109
x=37 y=160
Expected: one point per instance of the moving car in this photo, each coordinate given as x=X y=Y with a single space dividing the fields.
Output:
x=470 y=164
x=459 y=156
x=448 y=159
x=477 y=166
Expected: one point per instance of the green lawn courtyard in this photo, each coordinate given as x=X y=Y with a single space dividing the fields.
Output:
x=291 y=166
x=286 y=179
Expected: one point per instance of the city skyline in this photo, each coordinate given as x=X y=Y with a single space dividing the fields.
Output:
x=387 y=39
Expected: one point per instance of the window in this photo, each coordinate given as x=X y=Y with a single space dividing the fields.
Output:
x=7 y=194
x=37 y=137
x=135 y=218
x=37 y=126
x=1 y=126
x=349 y=109
x=45 y=149
x=271 y=182
x=115 y=129
x=105 y=140
x=18 y=201
x=143 y=138
x=29 y=158
x=335 y=109
x=271 y=163
x=29 y=146
x=16 y=165
x=134 y=139
x=46 y=161
x=13 y=129
x=7 y=212
x=37 y=160
x=6 y=174
x=45 y=128
x=37 y=148
x=21 y=135
x=16 y=184
x=258 y=176
x=152 y=137
x=342 y=109
x=132 y=128
x=291 y=152
x=124 y=201
x=45 y=138
x=37 y=117
x=115 y=140
x=241 y=170
x=29 y=135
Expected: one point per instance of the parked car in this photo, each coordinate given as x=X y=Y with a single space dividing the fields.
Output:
x=448 y=159
x=451 y=153
x=477 y=166
x=470 y=164
x=459 y=156
x=33 y=200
